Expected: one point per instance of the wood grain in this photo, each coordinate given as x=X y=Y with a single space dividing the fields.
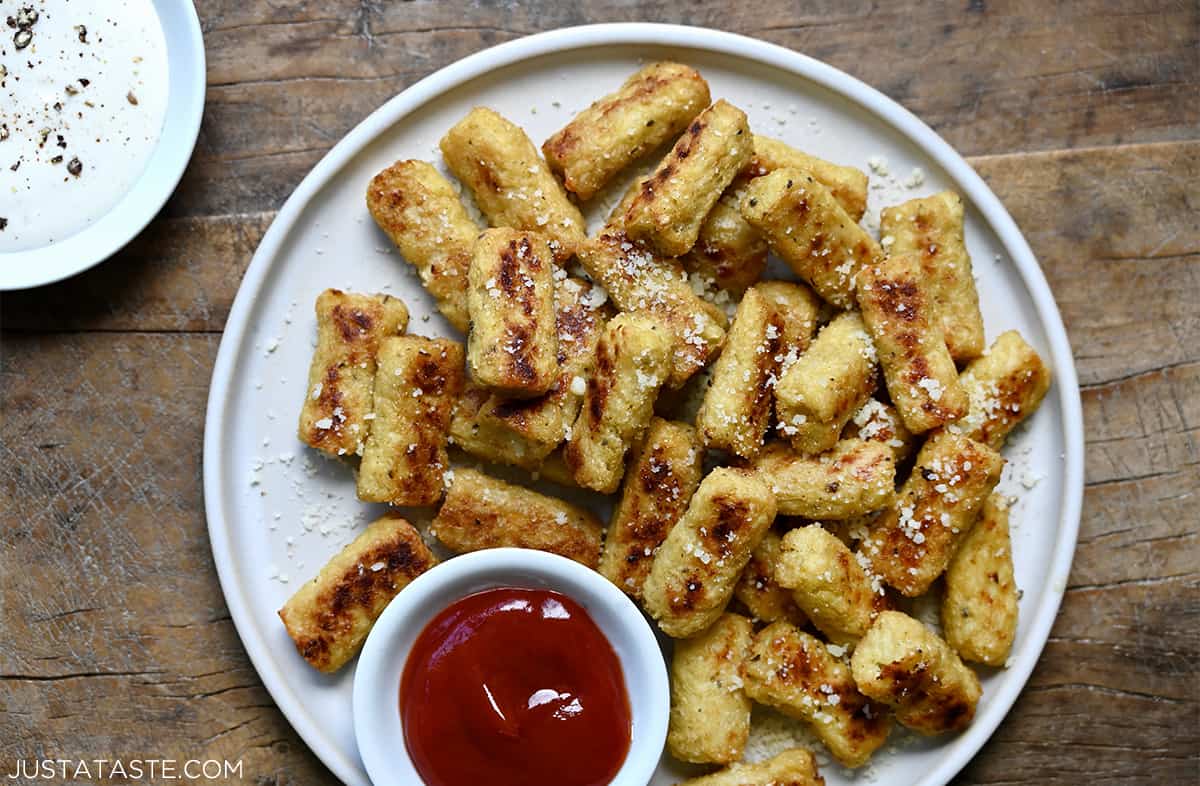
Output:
x=125 y=645
x=179 y=274
x=1084 y=122
x=1121 y=250
x=992 y=77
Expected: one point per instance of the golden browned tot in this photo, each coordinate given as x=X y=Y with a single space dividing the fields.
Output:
x=422 y=214
x=481 y=512
x=819 y=392
x=638 y=280
x=793 y=767
x=903 y=664
x=901 y=316
x=801 y=308
x=827 y=583
x=710 y=714
x=698 y=565
x=847 y=184
x=662 y=476
x=512 y=185
x=650 y=109
x=1005 y=386
x=811 y=231
x=794 y=673
x=674 y=200
x=632 y=362
x=737 y=407
x=544 y=421
x=760 y=592
x=911 y=543
x=856 y=477
x=329 y=617
x=979 y=609
x=932 y=229
x=417 y=384
x=476 y=433
x=729 y=254
x=341 y=377
x=512 y=346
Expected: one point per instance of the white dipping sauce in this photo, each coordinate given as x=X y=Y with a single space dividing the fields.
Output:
x=81 y=109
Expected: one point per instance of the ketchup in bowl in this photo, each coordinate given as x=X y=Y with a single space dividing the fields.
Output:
x=514 y=687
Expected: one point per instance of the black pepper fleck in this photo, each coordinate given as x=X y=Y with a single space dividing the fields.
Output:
x=3 y=224
x=56 y=160
x=74 y=166
x=82 y=30
x=22 y=38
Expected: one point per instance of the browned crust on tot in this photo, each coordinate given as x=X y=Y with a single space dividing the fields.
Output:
x=637 y=279
x=513 y=342
x=698 y=566
x=913 y=541
x=416 y=387
x=329 y=617
x=661 y=478
x=649 y=109
x=793 y=672
x=481 y=512
x=544 y=420
x=901 y=317
x=422 y=214
x=674 y=200
x=737 y=407
x=342 y=373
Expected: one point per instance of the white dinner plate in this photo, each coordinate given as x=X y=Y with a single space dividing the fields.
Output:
x=277 y=511
x=110 y=232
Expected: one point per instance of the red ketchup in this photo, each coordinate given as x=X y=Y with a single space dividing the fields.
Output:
x=514 y=687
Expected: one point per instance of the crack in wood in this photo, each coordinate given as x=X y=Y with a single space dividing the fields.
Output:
x=1142 y=582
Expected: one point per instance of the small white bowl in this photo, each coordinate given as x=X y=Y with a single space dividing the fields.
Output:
x=181 y=127
x=377 y=723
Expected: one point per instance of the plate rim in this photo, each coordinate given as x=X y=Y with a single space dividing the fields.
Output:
x=963 y=748
x=133 y=212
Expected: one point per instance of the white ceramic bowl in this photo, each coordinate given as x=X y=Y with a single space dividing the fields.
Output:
x=181 y=126
x=377 y=723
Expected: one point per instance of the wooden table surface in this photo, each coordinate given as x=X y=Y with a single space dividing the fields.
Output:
x=1084 y=119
